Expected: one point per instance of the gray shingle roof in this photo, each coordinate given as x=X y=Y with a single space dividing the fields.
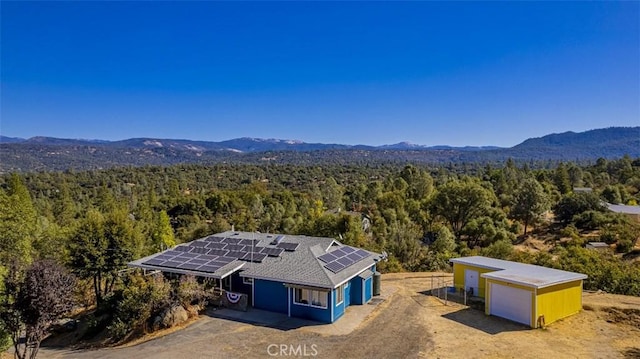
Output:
x=301 y=266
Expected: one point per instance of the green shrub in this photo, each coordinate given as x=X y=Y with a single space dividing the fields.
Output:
x=605 y=271
x=624 y=246
x=5 y=340
x=188 y=291
x=570 y=231
x=591 y=220
x=502 y=249
x=141 y=299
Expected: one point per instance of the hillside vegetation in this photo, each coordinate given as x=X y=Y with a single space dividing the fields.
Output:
x=89 y=224
x=46 y=154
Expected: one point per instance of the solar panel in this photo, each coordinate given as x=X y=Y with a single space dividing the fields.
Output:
x=289 y=247
x=182 y=248
x=256 y=257
x=249 y=242
x=171 y=264
x=343 y=257
x=217 y=264
x=345 y=261
x=327 y=257
x=154 y=261
x=231 y=240
x=218 y=252
x=213 y=239
x=234 y=247
x=215 y=245
x=335 y=267
x=235 y=254
x=339 y=253
x=278 y=239
x=198 y=261
x=208 y=268
x=200 y=250
x=361 y=253
x=171 y=252
x=206 y=257
x=191 y=266
x=348 y=249
x=165 y=257
x=197 y=243
x=225 y=259
x=272 y=252
x=187 y=255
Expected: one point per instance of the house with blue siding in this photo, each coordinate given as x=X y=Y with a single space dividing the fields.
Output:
x=314 y=278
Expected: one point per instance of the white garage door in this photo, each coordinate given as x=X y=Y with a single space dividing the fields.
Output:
x=511 y=303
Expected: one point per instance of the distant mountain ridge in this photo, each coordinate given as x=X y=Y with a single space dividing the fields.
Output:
x=48 y=153
x=243 y=144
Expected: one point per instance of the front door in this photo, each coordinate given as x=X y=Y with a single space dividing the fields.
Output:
x=471 y=281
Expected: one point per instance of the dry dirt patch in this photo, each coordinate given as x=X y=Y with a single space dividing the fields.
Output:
x=608 y=330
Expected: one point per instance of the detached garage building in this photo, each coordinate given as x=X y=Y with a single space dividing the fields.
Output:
x=525 y=293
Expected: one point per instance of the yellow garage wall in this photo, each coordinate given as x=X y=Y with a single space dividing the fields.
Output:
x=559 y=301
x=487 y=300
x=458 y=277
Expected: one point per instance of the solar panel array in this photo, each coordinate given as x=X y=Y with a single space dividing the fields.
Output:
x=342 y=258
x=212 y=253
x=180 y=259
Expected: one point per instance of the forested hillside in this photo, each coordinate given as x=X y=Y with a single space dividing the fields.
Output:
x=89 y=224
x=47 y=154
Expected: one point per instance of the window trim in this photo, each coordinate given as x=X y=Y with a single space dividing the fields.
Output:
x=311 y=291
x=247 y=280
x=340 y=294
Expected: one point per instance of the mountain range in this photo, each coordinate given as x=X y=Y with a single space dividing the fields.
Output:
x=48 y=153
x=239 y=145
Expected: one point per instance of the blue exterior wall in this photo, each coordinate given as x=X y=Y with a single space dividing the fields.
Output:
x=338 y=309
x=308 y=312
x=271 y=296
x=274 y=296
x=347 y=294
x=368 y=289
x=361 y=290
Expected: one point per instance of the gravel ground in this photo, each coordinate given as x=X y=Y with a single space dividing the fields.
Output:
x=409 y=324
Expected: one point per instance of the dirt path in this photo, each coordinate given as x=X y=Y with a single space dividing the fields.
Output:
x=386 y=335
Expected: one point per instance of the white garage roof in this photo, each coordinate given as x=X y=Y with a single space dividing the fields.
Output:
x=519 y=273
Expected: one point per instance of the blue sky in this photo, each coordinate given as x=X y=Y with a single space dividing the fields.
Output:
x=456 y=73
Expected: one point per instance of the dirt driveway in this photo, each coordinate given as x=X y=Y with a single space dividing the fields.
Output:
x=410 y=324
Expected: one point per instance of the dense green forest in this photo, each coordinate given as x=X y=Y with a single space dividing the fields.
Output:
x=85 y=226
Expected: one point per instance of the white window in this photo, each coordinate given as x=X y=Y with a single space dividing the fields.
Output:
x=339 y=295
x=246 y=280
x=312 y=298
